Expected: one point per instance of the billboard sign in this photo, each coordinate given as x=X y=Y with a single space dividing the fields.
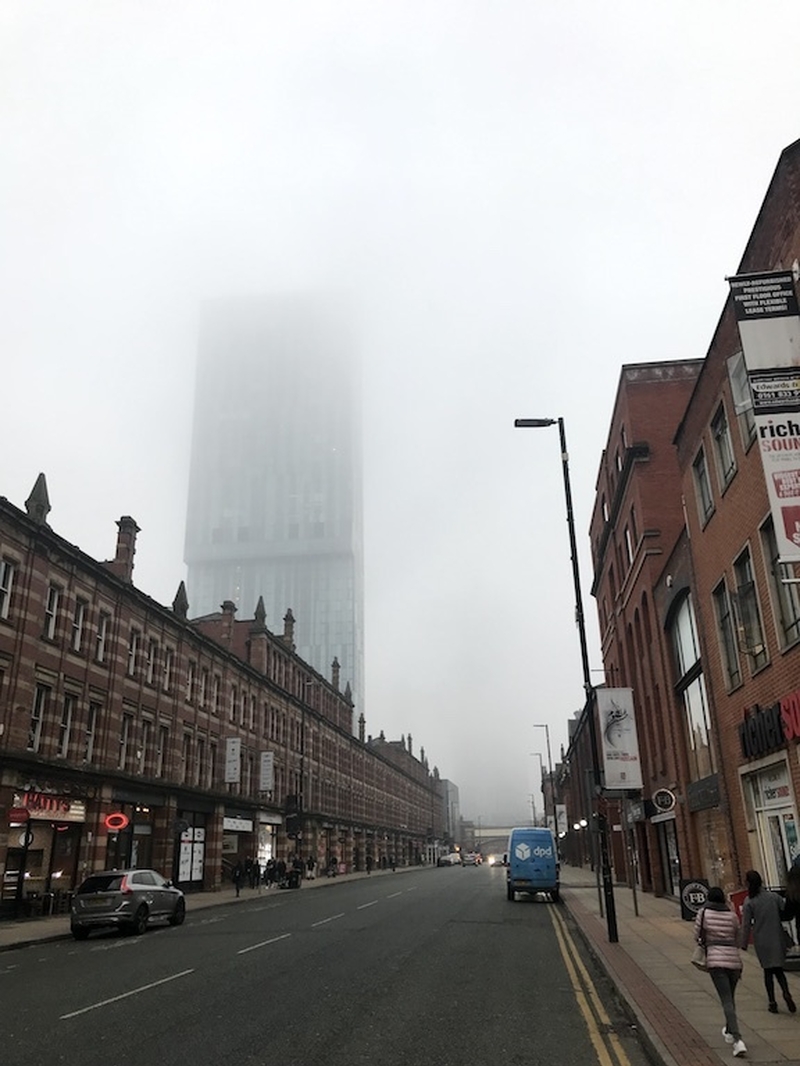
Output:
x=619 y=741
x=266 y=780
x=233 y=760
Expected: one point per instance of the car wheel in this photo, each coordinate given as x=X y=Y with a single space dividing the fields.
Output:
x=510 y=894
x=80 y=932
x=177 y=916
x=555 y=895
x=139 y=924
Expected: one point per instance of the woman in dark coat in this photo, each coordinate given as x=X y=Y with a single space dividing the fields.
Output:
x=762 y=915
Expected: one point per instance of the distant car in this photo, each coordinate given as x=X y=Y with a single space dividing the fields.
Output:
x=127 y=899
x=496 y=860
x=471 y=859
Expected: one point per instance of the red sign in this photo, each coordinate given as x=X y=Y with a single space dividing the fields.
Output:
x=18 y=815
x=117 y=821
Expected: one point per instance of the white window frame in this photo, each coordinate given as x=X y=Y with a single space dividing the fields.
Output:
x=702 y=480
x=78 y=624
x=166 y=676
x=65 y=725
x=51 y=611
x=41 y=698
x=723 y=447
x=8 y=570
x=152 y=660
x=91 y=729
x=101 y=638
x=133 y=653
x=126 y=728
x=191 y=671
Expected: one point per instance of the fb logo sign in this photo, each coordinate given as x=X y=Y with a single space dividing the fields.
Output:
x=523 y=852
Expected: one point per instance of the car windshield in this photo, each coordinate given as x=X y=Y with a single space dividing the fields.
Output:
x=101 y=883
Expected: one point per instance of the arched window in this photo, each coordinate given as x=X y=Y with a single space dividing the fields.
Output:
x=690 y=689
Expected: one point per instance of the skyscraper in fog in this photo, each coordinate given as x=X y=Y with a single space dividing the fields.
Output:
x=275 y=484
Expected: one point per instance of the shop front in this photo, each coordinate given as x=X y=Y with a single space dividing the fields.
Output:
x=772 y=811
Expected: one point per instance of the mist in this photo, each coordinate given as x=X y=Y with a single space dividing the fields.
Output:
x=506 y=202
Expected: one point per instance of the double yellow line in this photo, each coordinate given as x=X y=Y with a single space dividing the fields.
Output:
x=604 y=1040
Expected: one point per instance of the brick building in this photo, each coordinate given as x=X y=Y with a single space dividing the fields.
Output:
x=749 y=617
x=198 y=735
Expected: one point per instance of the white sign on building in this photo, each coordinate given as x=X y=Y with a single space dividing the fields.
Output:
x=266 y=780
x=619 y=741
x=233 y=760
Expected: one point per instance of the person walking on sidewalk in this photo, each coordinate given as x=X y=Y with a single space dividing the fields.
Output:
x=717 y=927
x=762 y=914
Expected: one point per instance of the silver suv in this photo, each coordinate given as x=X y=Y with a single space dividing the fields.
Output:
x=128 y=899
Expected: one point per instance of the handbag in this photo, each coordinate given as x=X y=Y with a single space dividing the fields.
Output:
x=698 y=959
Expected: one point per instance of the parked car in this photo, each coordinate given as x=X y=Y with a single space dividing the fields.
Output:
x=127 y=899
x=471 y=859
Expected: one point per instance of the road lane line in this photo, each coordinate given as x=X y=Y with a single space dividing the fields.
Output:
x=324 y=921
x=393 y=894
x=590 y=1004
x=263 y=943
x=365 y=905
x=133 y=992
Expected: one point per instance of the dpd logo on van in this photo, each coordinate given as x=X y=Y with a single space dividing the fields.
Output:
x=523 y=852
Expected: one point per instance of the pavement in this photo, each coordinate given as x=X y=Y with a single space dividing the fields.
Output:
x=673 y=1005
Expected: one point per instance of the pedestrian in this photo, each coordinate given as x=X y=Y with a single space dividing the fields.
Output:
x=237 y=875
x=269 y=872
x=762 y=915
x=717 y=928
x=392 y=863
x=311 y=865
x=280 y=871
x=369 y=864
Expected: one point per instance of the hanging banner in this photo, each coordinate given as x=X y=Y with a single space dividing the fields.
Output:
x=619 y=741
x=766 y=311
x=233 y=760
x=266 y=780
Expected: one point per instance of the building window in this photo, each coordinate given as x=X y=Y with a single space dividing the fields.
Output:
x=690 y=690
x=51 y=612
x=143 y=754
x=7 y=573
x=133 y=652
x=628 y=545
x=200 y=760
x=101 y=638
x=748 y=616
x=211 y=769
x=726 y=628
x=232 y=705
x=251 y=724
x=186 y=758
x=38 y=715
x=190 y=675
x=742 y=398
x=726 y=463
x=705 y=500
x=78 y=620
x=65 y=725
x=162 y=751
x=91 y=727
x=203 y=688
x=216 y=695
x=124 y=740
x=604 y=508
x=169 y=659
x=152 y=661
x=783 y=585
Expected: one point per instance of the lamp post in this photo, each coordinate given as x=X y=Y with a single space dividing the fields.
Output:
x=546 y=728
x=538 y=755
x=588 y=708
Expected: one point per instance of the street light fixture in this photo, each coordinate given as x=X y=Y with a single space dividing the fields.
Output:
x=538 y=755
x=588 y=707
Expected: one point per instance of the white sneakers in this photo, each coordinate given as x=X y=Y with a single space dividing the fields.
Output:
x=729 y=1037
x=739 y=1048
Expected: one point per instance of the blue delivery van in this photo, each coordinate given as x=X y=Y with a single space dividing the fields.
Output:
x=532 y=862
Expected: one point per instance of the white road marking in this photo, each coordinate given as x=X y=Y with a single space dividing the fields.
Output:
x=133 y=992
x=393 y=894
x=324 y=921
x=263 y=943
x=364 y=905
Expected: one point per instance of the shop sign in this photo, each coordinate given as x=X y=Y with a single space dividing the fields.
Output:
x=233 y=760
x=702 y=795
x=762 y=731
x=237 y=825
x=116 y=821
x=18 y=815
x=51 y=807
x=663 y=800
x=694 y=893
x=619 y=741
x=773 y=788
x=266 y=782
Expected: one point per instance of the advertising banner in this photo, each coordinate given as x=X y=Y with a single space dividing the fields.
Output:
x=233 y=760
x=266 y=780
x=619 y=741
x=768 y=317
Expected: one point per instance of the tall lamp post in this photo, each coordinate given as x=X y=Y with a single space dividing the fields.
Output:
x=538 y=755
x=546 y=728
x=588 y=707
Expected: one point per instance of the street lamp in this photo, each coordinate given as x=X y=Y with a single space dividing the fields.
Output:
x=538 y=755
x=588 y=707
x=546 y=728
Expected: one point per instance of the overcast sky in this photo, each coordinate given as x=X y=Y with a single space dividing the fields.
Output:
x=511 y=198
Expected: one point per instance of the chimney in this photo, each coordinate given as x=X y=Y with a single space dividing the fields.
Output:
x=410 y=745
x=335 y=668
x=122 y=563
x=288 y=629
x=362 y=727
x=226 y=629
x=258 y=638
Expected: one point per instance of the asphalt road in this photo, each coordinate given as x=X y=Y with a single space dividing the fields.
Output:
x=424 y=967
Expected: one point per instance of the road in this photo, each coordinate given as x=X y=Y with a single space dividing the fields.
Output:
x=416 y=968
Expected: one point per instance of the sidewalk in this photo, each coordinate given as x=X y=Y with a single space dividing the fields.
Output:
x=26 y=931
x=675 y=1005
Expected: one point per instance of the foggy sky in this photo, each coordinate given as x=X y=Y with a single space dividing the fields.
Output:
x=511 y=200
